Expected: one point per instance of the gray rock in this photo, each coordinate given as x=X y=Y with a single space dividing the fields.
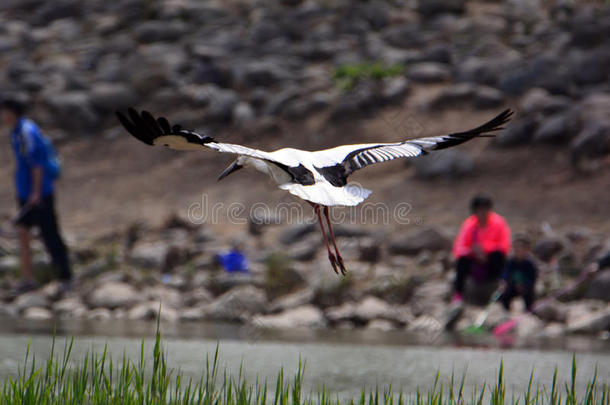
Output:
x=431 y=8
x=70 y=308
x=517 y=133
x=539 y=100
x=488 y=97
x=149 y=255
x=164 y=296
x=529 y=325
x=547 y=248
x=238 y=304
x=295 y=233
x=160 y=31
x=552 y=311
x=430 y=238
x=276 y=102
x=221 y=103
x=371 y=308
x=454 y=95
x=557 y=128
x=308 y=105
x=599 y=286
x=591 y=322
x=428 y=72
x=306 y=316
x=450 y=163
x=113 y=295
x=592 y=67
x=262 y=73
x=405 y=36
x=381 y=325
x=593 y=141
x=292 y=300
x=112 y=96
x=243 y=113
x=29 y=300
x=198 y=296
x=37 y=314
x=394 y=89
x=150 y=311
x=72 y=110
x=99 y=314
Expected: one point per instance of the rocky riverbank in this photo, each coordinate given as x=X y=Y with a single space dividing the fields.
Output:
x=255 y=66
x=394 y=281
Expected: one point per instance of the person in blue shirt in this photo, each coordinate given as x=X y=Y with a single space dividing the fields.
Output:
x=34 y=187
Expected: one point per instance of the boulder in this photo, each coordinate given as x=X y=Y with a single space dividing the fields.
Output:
x=160 y=31
x=29 y=300
x=431 y=8
x=165 y=296
x=538 y=100
x=488 y=97
x=381 y=325
x=306 y=316
x=529 y=325
x=197 y=296
x=149 y=255
x=37 y=313
x=593 y=141
x=72 y=110
x=517 y=133
x=457 y=94
x=394 y=89
x=99 y=314
x=150 y=311
x=547 y=248
x=594 y=322
x=370 y=308
x=292 y=300
x=557 y=128
x=296 y=233
x=552 y=311
x=238 y=304
x=113 y=295
x=599 y=286
x=242 y=114
x=112 y=96
x=428 y=72
x=449 y=163
x=70 y=308
x=429 y=238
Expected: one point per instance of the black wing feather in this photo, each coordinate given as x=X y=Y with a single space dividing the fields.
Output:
x=144 y=127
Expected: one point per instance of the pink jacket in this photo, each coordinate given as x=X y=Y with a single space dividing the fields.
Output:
x=495 y=236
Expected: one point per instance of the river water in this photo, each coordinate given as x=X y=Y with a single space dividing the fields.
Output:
x=344 y=361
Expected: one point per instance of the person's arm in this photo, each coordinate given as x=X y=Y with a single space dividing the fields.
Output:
x=462 y=246
x=36 y=194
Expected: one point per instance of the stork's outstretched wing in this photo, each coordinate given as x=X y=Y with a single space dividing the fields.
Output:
x=353 y=157
x=158 y=131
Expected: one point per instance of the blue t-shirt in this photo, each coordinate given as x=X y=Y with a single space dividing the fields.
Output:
x=30 y=152
x=234 y=261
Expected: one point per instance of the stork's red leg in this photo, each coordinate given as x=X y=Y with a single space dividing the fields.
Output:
x=331 y=256
x=332 y=238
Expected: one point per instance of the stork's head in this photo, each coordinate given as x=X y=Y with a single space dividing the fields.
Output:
x=237 y=164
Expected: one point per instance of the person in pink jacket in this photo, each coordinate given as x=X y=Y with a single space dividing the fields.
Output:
x=481 y=245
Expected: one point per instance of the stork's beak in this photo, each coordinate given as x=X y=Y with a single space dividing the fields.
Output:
x=232 y=168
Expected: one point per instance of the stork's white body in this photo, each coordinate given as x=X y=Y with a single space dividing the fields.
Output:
x=322 y=192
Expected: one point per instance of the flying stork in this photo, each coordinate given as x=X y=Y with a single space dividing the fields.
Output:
x=319 y=177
